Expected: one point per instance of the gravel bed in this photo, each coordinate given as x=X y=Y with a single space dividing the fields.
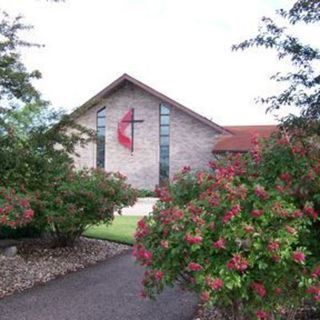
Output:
x=309 y=312
x=37 y=263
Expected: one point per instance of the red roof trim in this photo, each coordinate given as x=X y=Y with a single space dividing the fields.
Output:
x=242 y=137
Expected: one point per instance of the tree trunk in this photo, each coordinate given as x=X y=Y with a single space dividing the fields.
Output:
x=236 y=310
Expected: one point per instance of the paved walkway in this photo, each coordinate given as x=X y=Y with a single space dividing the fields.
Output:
x=106 y=291
x=142 y=207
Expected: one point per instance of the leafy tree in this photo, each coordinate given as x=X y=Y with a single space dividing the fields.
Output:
x=80 y=199
x=243 y=236
x=15 y=80
x=303 y=81
x=30 y=129
x=36 y=142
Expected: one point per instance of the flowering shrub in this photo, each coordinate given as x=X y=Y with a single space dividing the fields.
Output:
x=79 y=200
x=240 y=241
x=15 y=210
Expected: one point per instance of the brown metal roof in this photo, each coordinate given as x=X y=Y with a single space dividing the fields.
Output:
x=125 y=77
x=241 y=139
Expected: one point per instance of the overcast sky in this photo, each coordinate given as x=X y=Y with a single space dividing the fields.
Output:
x=181 y=48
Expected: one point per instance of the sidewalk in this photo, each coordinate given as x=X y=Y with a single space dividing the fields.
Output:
x=106 y=291
x=142 y=207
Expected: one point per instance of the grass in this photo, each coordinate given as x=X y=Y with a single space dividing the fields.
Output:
x=121 y=230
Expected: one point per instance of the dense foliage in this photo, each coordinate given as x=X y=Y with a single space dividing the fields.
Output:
x=15 y=80
x=37 y=149
x=242 y=235
x=79 y=200
x=302 y=82
x=15 y=209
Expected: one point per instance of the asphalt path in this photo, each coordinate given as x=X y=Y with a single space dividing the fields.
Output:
x=106 y=291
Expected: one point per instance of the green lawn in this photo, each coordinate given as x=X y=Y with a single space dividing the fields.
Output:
x=122 y=230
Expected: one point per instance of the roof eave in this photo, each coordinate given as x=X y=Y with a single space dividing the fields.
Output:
x=125 y=77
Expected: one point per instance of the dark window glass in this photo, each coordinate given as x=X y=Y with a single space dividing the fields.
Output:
x=164 y=172
x=164 y=151
x=164 y=143
x=101 y=138
x=164 y=140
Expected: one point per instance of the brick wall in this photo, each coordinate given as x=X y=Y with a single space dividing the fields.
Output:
x=191 y=141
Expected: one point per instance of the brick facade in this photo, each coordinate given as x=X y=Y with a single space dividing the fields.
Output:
x=191 y=141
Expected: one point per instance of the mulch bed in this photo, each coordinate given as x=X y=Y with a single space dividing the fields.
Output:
x=309 y=312
x=37 y=263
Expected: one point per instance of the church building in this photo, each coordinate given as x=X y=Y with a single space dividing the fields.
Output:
x=144 y=134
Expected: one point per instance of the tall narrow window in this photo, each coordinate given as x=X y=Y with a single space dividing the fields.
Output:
x=164 y=142
x=101 y=137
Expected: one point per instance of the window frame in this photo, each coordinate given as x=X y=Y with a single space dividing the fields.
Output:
x=164 y=157
x=101 y=139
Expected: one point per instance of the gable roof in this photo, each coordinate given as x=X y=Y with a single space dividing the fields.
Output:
x=125 y=77
x=240 y=141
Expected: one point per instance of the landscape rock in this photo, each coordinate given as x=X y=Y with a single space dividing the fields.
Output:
x=10 y=251
x=36 y=262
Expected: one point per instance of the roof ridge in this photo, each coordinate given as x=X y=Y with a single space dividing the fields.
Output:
x=125 y=77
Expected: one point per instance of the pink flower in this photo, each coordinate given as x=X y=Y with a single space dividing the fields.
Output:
x=238 y=263
x=280 y=188
x=255 y=150
x=142 y=255
x=12 y=224
x=256 y=213
x=186 y=169
x=232 y=213
x=315 y=291
x=316 y=273
x=276 y=258
x=248 y=229
x=286 y=177
x=198 y=221
x=142 y=229
x=217 y=284
x=297 y=214
x=219 y=244
x=158 y=275
x=259 y=289
x=277 y=291
x=164 y=244
x=298 y=256
x=193 y=266
x=177 y=214
x=262 y=315
x=309 y=211
x=28 y=214
x=195 y=211
x=273 y=245
x=261 y=192
x=204 y=296
x=24 y=203
x=193 y=239
x=290 y=229
x=212 y=226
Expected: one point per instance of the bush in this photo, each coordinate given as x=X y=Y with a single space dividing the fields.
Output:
x=15 y=209
x=238 y=238
x=80 y=200
x=28 y=231
x=145 y=193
